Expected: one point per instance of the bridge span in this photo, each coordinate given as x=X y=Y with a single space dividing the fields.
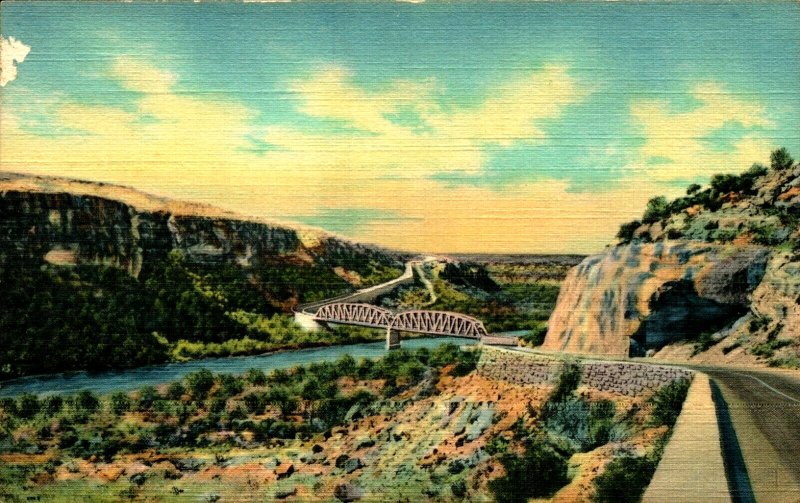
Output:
x=430 y=322
x=354 y=309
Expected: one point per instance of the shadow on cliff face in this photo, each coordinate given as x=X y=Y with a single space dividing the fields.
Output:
x=678 y=313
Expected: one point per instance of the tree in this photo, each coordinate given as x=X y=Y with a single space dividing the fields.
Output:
x=693 y=189
x=200 y=383
x=781 y=160
x=120 y=403
x=283 y=399
x=656 y=210
x=626 y=230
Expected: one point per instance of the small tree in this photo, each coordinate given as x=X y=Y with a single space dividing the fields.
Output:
x=283 y=399
x=656 y=210
x=781 y=160
x=626 y=230
x=120 y=403
x=86 y=401
x=200 y=383
x=256 y=377
x=28 y=405
x=693 y=189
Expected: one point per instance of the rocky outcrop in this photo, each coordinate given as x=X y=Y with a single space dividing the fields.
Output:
x=643 y=296
x=68 y=222
x=722 y=262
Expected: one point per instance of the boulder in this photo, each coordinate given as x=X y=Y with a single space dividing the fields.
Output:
x=348 y=492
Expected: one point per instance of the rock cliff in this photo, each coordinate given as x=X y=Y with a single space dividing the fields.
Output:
x=69 y=222
x=713 y=275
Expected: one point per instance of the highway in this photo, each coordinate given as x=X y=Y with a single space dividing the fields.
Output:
x=759 y=417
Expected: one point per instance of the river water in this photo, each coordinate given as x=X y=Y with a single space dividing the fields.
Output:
x=130 y=379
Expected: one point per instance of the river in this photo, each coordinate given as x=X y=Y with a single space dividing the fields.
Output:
x=130 y=379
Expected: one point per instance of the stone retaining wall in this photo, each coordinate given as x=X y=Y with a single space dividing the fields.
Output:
x=626 y=378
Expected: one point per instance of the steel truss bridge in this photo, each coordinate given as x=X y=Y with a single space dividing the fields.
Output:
x=443 y=323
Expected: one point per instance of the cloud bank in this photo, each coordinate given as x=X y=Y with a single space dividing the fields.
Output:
x=12 y=52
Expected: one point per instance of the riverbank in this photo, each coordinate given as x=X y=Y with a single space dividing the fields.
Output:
x=130 y=379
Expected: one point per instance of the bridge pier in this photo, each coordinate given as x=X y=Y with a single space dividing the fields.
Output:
x=392 y=339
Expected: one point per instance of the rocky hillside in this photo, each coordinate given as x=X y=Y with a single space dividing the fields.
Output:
x=71 y=222
x=713 y=275
x=96 y=276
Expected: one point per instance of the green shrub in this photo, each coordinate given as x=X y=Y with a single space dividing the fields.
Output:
x=767 y=349
x=667 y=402
x=52 y=405
x=176 y=390
x=230 y=385
x=583 y=425
x=569 y=378
x=627 y=230
x=120 y=403
x=536 y=336
x=200 y=383
x=86 y=401
x=624 y=480
x=657 y=208
x=703 y=342
x=148 y=395
x=256 y=377
x=27 y=405
x=538 y=472
x=781 y=160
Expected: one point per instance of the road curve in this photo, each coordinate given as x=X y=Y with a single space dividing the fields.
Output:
x=763 y=408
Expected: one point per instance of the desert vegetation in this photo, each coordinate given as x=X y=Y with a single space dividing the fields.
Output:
x=425 y=420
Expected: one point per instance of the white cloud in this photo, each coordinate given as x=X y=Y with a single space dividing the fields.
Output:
x=12 y=52
x=680 y=138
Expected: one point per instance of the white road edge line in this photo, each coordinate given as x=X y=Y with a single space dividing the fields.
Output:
x=772 y=389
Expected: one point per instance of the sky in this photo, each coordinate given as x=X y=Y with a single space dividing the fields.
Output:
x=506 y=127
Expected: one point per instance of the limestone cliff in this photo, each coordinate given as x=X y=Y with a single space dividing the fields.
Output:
x=70 y=222
x=717 y=272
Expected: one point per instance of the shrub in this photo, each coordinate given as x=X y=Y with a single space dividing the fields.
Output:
x=148 y=395
x=255 y=402
x=27 y=405
x=256 y=377
x=780 y=160
x=656 y=209
x=120 y=403
x=668 y=401
x=624 y=480
x=568 y=380
x=230 y=385
x=703 y=342
x=626 y=230
x=536 y=336
x=86 y=401
x=767 y=349
x=176 y=390
x=53 y=404
x=518 y=484
x=200 y=383
x=583 y=425
x=282 y=398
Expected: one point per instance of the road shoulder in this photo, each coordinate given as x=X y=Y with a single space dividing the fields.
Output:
x=692 y=466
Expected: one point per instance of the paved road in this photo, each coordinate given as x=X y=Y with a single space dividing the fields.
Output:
x=762 y=441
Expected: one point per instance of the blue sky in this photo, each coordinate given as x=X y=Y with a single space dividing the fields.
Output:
x=461 y=126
